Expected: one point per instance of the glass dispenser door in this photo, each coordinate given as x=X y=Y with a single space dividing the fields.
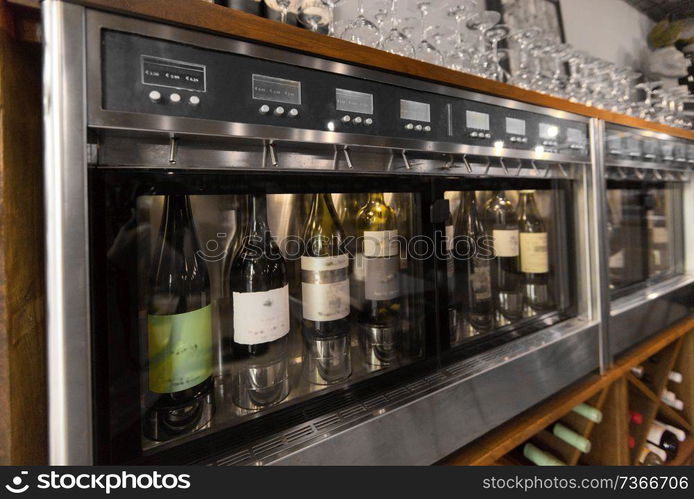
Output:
x=229 y=297
x=510 y=267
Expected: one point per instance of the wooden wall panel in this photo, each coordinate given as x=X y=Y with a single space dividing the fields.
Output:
x=23 y=422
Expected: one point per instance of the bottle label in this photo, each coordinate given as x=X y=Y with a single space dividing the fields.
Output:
x=505 y=242
x=380 y=243
x=450 y=235
x=533 y=254
x=382 y=278
x=262 y=316
x=617 y=260
x=325 y=288
x=179 y=350
x=481 y=280
x=660 y=235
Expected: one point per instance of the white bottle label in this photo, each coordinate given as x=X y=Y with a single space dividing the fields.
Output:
x=533 y=253
x=380 y=243
x=481 y=280
x=262 y=316
x=325 y=288
x=382 y=278
x=660 y=235
x=505 y=242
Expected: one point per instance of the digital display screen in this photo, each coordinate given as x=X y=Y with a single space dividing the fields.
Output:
x=354 y=102
x=276 y=89
x=515 y=126
x=479 y=121
x=173 y=74
x=575 y=136
x=416 y=111
x=548 y=131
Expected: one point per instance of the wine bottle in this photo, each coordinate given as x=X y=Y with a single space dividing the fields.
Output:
x=534 y=258
x=663 y=438
x=571 y=437
x=179 y=329
x=635 y=417
x=650 y=458
x=473 y=271
x=640 y=373
x=680 y=434
x=662 y=455
x=502 y=225
x=539 y=457
x=588 y=412
x=260 y=298
x=378 y=260
x=325 y=294
x=671 y=399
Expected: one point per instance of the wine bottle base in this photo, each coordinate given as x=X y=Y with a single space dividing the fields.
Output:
x=327 y=360
x=256 y=387
x=380 y=344
x=165 y=423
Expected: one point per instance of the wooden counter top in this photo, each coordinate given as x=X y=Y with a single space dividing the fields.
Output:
x=214 y=18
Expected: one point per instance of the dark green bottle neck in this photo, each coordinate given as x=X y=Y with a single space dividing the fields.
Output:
x=177 y=217
x=257 y=216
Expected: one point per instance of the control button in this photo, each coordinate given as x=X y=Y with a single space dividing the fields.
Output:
x=427 y=128
x=175 y=98
x=514 y=139
x=346 y=118
x=279 y=111
x=487 y=135
x=409 y=126
x=155 y=96
x=524 y=140
x=357 y=120
x=293 y=112
x=418 y=128
x=264 y=109
x=474 y=134
x=368 y=122
x=576 y=147
x=652 y=156
x=194 y=100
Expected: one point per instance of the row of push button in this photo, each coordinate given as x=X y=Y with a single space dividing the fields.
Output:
x=418 y=128
x=155 y=96
x=279 y=111
x=480 y=135
x=519 y=140
x=357 y=120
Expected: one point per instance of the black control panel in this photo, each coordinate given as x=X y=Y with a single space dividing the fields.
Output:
x=153 y=76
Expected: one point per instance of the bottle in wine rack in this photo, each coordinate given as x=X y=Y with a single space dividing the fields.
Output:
x=679 y=433
x=473 y=271
x=261 y=322
x=669 y=398
x=534 y=255
x=588 y=412
x=378 y=261
x=650 y=458
x=179 y=329
x=325 y=295
x=663 y=438
x=539 y=457
x=641 y=373
x=635 y=417
x=571 y=437
x=654 y=449
x=502 y=225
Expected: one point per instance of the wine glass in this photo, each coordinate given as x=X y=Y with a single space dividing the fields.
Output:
x=397 y=41
x=313 y=13
x=426 y=51
x=284 y=9
x=559 y=55
x=481 y=22
x=523 y=39
x=494 y=35
x=331 y=4
x=361 y=30
x=460 y=11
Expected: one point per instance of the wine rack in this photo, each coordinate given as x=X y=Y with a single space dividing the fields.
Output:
x=617 y=392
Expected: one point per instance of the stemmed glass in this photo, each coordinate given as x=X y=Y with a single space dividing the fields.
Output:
x=361 y=30
x=524 y=38
x=645 y=108
x=481 y=22
x=396 y=41
x=331 y=4
x=284 y=9
x=494 y=35
x=559 y=55
x=313 y=13
x=460 y=12
x=425 y=50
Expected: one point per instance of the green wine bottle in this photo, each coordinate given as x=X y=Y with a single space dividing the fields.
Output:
x=534 y=255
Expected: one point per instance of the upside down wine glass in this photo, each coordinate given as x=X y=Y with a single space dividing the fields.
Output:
x=361 y=30
x=396 y=41
x=331 y=4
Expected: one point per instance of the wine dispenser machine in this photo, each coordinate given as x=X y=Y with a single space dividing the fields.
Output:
x=256 y=256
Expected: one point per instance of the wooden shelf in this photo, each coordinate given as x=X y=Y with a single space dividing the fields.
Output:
x=614 y=393
x=214 y=18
